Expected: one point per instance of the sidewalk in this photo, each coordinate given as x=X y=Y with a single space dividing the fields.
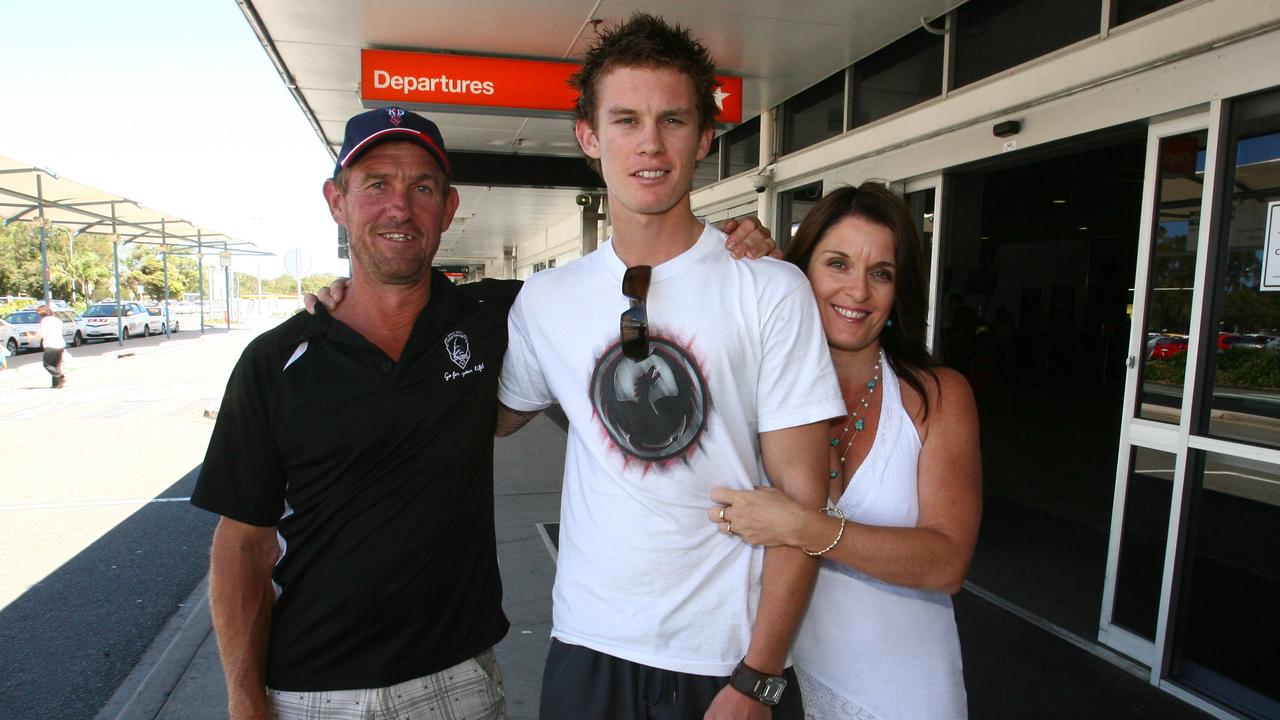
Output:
x=1013 y=669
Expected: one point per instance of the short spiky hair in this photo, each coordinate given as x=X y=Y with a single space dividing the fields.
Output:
x=646 y=41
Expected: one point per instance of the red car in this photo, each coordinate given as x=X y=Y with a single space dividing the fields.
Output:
x=1167 y=347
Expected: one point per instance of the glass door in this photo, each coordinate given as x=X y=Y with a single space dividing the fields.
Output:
x=1163 y=312
x=1224 y=628
x=924 y=197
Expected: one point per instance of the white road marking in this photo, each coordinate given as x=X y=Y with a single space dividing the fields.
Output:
x=90 y=503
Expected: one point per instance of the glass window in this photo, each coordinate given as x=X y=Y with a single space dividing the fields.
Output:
x=814 y=115
x=921 y=203
x=1126 y=10
x=707 y=170
x=793 y=205
x=995 y=35
x=1142 y=541
x=1171 y=275
x=743 y=147
x=1244 y=358
x=905 y=73
x=1228 y=634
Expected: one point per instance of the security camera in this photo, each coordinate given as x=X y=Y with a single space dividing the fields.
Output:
x=584 y=200
x=760 y=183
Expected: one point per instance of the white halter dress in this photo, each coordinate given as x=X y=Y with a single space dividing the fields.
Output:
x=867 y=649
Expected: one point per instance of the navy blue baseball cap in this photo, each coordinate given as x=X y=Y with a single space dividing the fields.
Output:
x=392 y=123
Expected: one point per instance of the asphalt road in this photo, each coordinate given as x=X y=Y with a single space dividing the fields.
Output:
x=98 y=543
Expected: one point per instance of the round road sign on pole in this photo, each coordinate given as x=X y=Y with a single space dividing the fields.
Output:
x=297 y=262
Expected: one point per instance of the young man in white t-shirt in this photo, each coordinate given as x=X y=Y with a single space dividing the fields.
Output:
x=723 y=376
x=54 y=344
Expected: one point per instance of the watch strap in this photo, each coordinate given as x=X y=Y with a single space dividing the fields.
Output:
x=758 y=686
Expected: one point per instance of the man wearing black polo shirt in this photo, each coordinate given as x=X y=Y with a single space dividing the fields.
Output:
x=355 y=567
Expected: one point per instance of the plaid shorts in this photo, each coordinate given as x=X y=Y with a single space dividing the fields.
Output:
x=470 y=690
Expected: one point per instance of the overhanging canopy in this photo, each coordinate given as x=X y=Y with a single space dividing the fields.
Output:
x=33 y=194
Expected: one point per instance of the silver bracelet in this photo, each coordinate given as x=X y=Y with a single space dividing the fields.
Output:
x=832 y=511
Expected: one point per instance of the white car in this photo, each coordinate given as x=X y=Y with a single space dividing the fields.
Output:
x=9 y=337
x=156 y=322
x=26 y=324
x=100 y=321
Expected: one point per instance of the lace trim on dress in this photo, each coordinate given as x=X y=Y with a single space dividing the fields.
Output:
x=823 y=703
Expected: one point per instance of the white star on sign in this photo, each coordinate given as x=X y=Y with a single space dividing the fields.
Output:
x=720 y=95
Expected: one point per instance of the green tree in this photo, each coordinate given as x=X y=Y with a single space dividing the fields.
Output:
x=286 y=285
x=20 y=260
x=80 y=266
x=146 y=265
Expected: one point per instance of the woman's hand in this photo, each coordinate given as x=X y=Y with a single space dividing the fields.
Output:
x=764 y=516
x=330 y=296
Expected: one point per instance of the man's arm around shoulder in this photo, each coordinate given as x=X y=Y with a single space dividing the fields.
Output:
x=795 y=459
x=241 y=597
x=510 y=420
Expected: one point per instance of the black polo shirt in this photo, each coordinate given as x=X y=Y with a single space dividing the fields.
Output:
x=379 y=477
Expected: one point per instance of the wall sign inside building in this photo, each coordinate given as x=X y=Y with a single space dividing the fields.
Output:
x=459 y=82
x=1271 y=249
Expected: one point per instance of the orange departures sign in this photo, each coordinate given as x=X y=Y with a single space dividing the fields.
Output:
x=413 y=78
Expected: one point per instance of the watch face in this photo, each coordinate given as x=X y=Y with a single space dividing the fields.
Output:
x=771 y=690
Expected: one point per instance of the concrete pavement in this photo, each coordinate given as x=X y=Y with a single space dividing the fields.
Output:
x=1013 y=668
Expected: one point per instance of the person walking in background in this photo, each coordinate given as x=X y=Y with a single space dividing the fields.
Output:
x=54 y=344
x=879 y=640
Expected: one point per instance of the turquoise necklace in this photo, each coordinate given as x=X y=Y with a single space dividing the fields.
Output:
x=856 y=420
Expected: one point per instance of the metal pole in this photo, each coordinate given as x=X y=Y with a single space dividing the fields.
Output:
x=44 y=239
x=200 y=267
x=115 y=259
x=226 y=281
x=164 y=259
x=71 y=262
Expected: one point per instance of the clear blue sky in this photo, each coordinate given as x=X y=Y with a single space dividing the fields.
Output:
x=174 y=104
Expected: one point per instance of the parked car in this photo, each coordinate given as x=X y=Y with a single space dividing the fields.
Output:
x=100 y=321
x=156 y=320
x=1248 y=342
x=1167 y=346
x=27 y=325
x=9 y=337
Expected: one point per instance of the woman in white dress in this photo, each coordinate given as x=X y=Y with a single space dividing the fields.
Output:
x=879 y=638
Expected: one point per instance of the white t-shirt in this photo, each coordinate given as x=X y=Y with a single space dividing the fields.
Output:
x=51 y=329
x=737 y=350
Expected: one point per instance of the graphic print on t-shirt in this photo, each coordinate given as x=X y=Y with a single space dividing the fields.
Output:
x=654 y=410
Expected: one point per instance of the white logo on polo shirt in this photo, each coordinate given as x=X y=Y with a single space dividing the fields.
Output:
x=459 y=348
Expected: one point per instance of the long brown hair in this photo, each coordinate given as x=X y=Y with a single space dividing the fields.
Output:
x=903 y=341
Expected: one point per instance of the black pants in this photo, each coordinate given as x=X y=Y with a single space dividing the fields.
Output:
x=581 y=684
x=53 y=363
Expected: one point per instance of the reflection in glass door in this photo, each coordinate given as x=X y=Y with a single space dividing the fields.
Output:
x=924 y=198
x=1171 y=275
x=1163 y=312
x=1227 y=630
x=793 y=205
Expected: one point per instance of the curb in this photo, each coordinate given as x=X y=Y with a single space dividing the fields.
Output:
x=144 y=693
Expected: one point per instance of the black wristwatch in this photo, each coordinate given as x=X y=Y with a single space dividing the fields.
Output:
x=756 y=685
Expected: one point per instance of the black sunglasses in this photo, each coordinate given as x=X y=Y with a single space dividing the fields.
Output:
x=634 y=323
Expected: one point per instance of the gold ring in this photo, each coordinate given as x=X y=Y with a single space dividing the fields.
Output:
x=722 y=509
x=728 y=527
